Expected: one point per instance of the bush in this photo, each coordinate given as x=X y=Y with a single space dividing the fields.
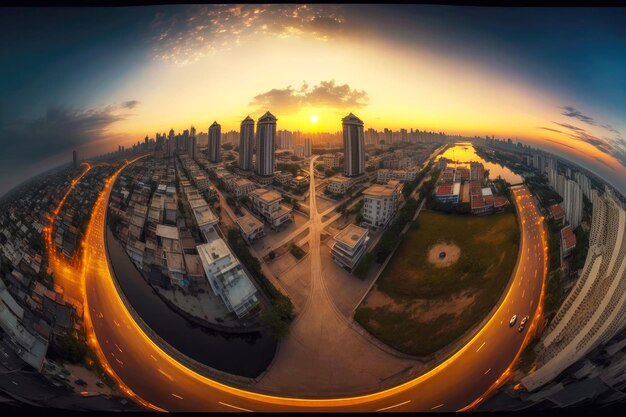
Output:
x=364 y=266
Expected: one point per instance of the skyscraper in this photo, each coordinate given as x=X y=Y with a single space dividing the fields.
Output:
x=307 y=147
x=75 y=159
x=353 y=146
x=246 y=143
x=266 y=133
x=215 y=139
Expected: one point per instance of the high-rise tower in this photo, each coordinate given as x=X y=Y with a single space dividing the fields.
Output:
x=353 y=146
x=266 y=134
x=246 y=144
x=215 y=142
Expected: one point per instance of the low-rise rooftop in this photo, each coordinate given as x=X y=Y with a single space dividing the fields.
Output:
x=351 y=235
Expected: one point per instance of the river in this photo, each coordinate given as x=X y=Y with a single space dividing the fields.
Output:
x=464 y=153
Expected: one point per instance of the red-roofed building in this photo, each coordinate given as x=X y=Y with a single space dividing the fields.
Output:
x=568 y=241
x=448 y=193
x=557 y=212
x=499 y=203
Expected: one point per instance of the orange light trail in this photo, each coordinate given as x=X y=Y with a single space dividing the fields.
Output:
x=99 y=263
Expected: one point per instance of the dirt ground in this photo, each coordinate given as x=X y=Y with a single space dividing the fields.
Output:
x=453 y=252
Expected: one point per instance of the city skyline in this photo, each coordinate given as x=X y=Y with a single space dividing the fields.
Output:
x=161 y=60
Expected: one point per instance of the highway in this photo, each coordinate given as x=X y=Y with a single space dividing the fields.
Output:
x=158 y=381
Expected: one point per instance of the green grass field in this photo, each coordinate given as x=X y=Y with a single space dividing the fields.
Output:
x=489 y=248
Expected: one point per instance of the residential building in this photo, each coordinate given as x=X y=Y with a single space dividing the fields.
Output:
x=477 y=172
x=568 y=241
x=266 y=132
x=250 y=227
x=349 y=246
x=283 y=177
x=448 y=193
x=573 y=203
x=246 y=144
x=227 y=277
x=267 y=204
x=380 y=203
x=331 y=160
x=405 y=175
x=557 y=213
x=595 y=309
x=307 y=147
x=241 y=186
x=215 y=146
x=353 y=146
x=339 y=184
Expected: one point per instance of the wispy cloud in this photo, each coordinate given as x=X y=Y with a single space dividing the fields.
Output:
x=572 y=112
x=326 y=94
x=131 y=104
x=197 y=30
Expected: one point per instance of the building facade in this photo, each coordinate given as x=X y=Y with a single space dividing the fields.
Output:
x=380 y=203
x=353 y=146
x=349 y=246
x=215 y=143
x=266 y=133
x=246 y=144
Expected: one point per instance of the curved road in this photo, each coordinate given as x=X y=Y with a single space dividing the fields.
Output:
x=153 y=378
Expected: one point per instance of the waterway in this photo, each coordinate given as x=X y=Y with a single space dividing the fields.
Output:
x=463 y=153
x=247 y=354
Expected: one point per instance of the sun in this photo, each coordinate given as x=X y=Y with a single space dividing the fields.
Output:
x=313 y=119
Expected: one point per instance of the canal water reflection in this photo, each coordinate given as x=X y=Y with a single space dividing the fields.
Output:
x=464 y=153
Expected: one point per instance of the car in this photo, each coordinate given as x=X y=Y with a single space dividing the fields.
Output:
x=522 y=324
x=512 y=321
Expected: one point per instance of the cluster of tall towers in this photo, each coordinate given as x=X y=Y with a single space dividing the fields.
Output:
x=262 y=144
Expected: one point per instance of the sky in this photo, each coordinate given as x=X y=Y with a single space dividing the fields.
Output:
x=94 y=78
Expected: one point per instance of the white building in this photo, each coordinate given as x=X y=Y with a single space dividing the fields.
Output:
x=405 y=175
x=331 y=160
x=267 y=204
x=283 y=177
x=227 y=277
x=349 y=246
x=250 y=227
x=595 y=309
x=339 y=184
x=573 y=203
x=381 y=203
x=241 y=186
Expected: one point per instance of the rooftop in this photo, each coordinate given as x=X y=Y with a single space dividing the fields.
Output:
x=265 y=195
x=249 y=223
x=351 y=235
x=339 y=178
x=556 y=211
x=168 y=232
x=568 y=237
x=204 y=215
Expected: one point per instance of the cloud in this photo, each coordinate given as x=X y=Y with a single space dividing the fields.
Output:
x=60 y=129
x=326 y=94
x=131 y=104
x=550 y=129
x=194 y=32
x=613 y=147
x=572 y=112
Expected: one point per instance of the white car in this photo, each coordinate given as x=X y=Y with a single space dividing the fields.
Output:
x=522 y=324
x=512 y=321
